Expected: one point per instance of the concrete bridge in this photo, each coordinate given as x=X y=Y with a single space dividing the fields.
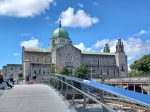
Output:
x=137 y=84
x=32 y=98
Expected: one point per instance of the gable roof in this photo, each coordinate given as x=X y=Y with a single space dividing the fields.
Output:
x=97 y=53
x=35 y=50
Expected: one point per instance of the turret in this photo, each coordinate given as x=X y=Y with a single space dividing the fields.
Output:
x=106 y=48
x=119 y=46
x=121 y=59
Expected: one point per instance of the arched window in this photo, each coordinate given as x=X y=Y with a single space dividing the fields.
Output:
x=122 y=67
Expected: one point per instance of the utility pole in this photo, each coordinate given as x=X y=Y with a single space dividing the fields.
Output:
x=91 y=71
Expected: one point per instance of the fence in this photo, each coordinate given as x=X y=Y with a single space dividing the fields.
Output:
x=88 y=96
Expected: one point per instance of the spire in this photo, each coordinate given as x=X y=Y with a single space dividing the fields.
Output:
x=119 y=46
x=106 y=48
x=60 y=23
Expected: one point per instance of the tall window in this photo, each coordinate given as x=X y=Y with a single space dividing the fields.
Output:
x=107 y=72
x=34 y=71
x=122 y=69
x=39 y=71
x=114 y=73
x=44 y=72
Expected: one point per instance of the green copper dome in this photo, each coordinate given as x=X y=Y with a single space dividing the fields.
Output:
x=60 y=32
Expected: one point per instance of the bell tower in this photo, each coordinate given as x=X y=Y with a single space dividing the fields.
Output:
x=121 y=59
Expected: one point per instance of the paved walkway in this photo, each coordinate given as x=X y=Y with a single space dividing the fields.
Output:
x=32 y=98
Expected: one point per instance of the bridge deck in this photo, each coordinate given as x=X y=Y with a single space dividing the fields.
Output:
x=31 y=98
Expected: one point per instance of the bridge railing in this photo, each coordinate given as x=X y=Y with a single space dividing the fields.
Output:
x=88 y=96
x=130 y=79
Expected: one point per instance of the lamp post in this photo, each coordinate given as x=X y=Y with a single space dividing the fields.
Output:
x=91 y=71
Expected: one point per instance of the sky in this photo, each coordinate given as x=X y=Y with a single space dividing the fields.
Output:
x=90 y=24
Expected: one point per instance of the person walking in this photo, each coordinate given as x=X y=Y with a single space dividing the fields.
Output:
x=27 y=78
x=34 y=79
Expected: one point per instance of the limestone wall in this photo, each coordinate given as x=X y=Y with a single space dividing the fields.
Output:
x=68 y=56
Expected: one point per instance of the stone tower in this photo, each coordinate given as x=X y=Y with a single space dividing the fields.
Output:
x=106 y=48
x=121 y=59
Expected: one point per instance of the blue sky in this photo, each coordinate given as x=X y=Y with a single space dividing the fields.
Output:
x=90 y=24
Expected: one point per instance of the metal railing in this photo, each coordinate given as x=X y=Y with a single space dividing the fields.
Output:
x=88 y=96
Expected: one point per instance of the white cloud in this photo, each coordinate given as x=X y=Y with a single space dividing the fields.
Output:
x=82 y=47
x=23 y=8
x=142 y=32
x=101 y=44
x=133 y=47
x=129 y=67
x=16 y=54
x=80 y=5
x=80 y=19
x=33 y=43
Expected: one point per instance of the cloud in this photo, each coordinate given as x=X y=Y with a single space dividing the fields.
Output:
x=140 y=33
x=133 y=47
x=129 y=67
x=80 y=5
x=80 y=19
x=32 y=43
x=23 y=8
x=82 y=47
x=101 y=44
x=16 y=54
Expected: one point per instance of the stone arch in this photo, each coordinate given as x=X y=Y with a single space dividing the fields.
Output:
x=70 y=69
x=137 y=89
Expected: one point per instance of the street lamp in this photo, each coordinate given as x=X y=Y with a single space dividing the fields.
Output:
x=91 y=71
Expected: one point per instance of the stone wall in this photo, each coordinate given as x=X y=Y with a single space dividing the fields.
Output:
x=68 y=56
x=12 y=69
x=38 y=57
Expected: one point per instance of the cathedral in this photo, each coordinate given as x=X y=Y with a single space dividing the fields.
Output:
x=62 y=53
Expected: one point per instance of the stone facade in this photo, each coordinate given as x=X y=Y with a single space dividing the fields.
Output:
x=62 y=53
x=12 y=69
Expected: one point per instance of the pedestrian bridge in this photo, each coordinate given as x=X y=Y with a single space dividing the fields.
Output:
x=32 y=98
x=68 y=94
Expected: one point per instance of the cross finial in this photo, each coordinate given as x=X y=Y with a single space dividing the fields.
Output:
x=59 y=23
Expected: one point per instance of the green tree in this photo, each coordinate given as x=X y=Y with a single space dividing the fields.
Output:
x=142 y=65
x=82 y=72
x=133 y=73
x=53 y=68
x=64 y=70
x=1 y=71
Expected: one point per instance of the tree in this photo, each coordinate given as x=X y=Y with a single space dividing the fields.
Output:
x=64 y=70
x=82 y=72
x=142 y=64
x=53 y=68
